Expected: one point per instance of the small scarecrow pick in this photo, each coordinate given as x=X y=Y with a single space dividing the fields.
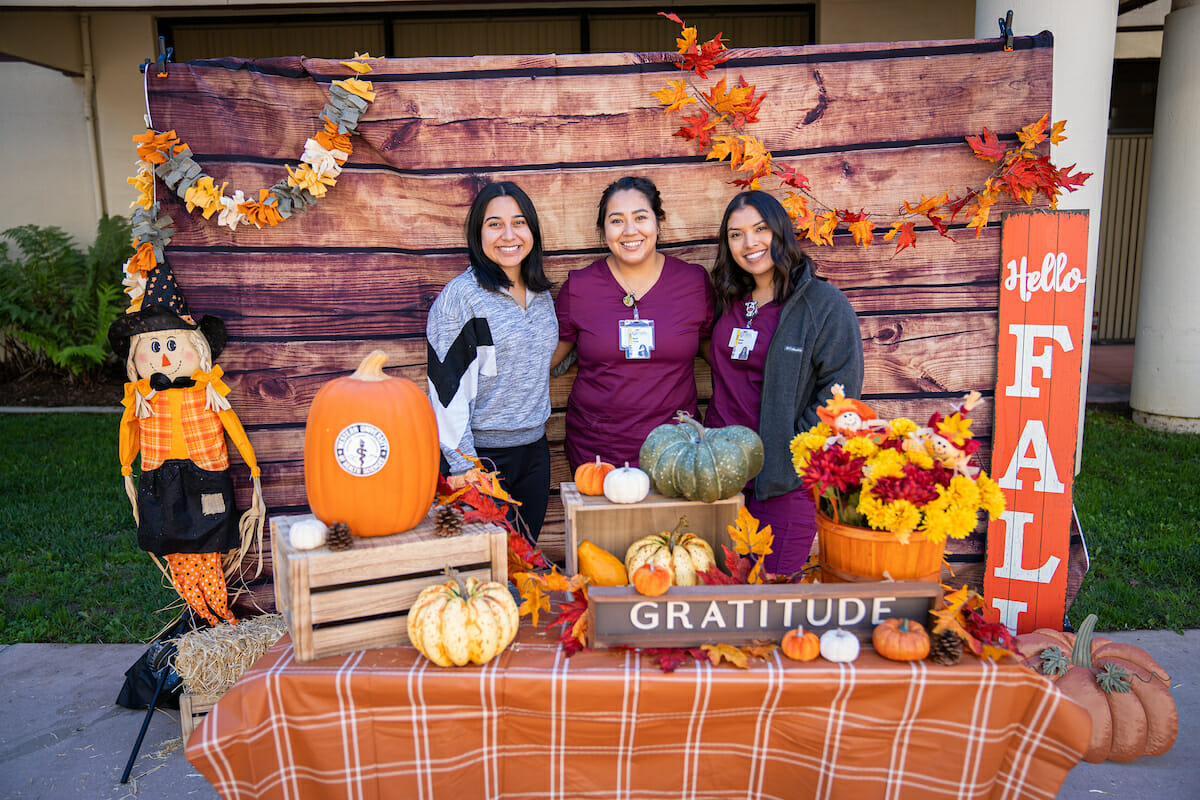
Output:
x=176 y=414
x=847 y=416
x=948 y=440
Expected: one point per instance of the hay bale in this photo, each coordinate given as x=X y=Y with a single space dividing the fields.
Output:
x=210 y=661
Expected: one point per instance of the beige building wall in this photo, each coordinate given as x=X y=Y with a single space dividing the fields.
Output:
x=841 y=21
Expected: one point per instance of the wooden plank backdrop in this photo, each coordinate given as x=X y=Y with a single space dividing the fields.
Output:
x=871 y=125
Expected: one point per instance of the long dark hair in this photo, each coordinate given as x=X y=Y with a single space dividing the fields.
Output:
x=638 y=183
x=792 y=265
x=489 y=274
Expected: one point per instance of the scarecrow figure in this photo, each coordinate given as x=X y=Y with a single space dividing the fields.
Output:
x=948 y=440
x=176 y=415
x=847 y=416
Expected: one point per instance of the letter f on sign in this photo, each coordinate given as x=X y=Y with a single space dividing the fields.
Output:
x=1027 y=336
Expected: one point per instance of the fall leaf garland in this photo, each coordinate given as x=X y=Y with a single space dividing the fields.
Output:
x=1020 y=172
x=162 y=154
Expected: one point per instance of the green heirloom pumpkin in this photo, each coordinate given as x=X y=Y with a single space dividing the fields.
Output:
x=699 y=463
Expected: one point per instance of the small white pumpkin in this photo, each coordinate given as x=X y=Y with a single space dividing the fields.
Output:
x=839 y=646
x=626 y=485
x=307 y=534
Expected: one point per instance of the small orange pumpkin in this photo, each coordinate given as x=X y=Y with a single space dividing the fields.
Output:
x=901 y=640
x=801 y=645
x=371 y=451
x=651 y=580
x=589 y=478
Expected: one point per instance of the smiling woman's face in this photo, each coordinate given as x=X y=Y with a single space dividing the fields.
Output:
x=749 y=241
x=630 y=228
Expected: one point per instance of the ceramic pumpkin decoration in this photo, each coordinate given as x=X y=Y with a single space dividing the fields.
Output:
x=626 y=485
x=901 y=640
x=599 y=566
x=800 y=645
x=685 y=555
x=839 y=646
x=651 y=579
x=371 y=451
x=589 y=478
x=706 y=464
x=1126 y=692
x=456 y=622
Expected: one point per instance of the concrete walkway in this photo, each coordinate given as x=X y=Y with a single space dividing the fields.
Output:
x=62 y=737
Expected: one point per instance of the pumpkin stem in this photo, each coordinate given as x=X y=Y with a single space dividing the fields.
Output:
x=684 y=417
x=453 y=575
x=371 y=367
x=904 y=624
x=1081 y=651
x=676 y=531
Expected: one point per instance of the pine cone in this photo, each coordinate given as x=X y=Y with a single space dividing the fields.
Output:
x=447 y=521
x=945 y=648
x=339 y=537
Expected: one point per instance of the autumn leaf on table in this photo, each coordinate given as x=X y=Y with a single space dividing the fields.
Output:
x=523 y=556
x=533 y=595
x=760 y=650
x=573 y=619
x=698 y=128
x=726 y=652
x=987 y=146
x=952 y=605
x=675 y=96
x=907 y=233
x=669 y=659
x=861 y=228
x=749 y=540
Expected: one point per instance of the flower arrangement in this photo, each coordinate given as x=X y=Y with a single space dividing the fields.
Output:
x=893 y=475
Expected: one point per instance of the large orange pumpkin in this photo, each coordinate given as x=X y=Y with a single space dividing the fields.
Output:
x=371 y=451
x=1126 y=692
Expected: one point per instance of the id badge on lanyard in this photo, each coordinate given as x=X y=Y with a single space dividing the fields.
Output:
x=636 y=338
x=741 y=343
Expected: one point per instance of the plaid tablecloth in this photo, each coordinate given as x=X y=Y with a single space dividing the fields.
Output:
x=386 y=724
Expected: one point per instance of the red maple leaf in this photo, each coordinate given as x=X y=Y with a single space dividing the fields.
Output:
x=570 y=612
x=987 y=147
x=1071 y=182
x=907 y=236
x=672 y=17
x=669 y=659
x=789 y=177
x=699 y=128
x=523 y=556
x=746 y=111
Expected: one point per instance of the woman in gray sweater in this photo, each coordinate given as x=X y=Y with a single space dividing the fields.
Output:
x=491 y=333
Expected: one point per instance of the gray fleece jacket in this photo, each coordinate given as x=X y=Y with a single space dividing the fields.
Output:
x=817 y=344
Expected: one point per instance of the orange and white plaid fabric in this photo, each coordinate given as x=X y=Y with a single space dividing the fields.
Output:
x=608 y=724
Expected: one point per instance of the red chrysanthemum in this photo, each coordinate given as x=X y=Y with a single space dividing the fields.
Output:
x=832 y=469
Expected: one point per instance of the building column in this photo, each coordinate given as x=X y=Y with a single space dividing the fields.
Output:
x=1085 y=36
x=1166 y=361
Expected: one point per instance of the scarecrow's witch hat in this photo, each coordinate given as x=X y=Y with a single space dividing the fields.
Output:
x=163 y=309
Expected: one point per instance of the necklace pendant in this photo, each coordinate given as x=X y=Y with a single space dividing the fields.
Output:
x=629 y=300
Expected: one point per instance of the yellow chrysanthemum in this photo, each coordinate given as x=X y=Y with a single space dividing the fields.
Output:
x=884 y=464
x=205 y=195
x=991 y=498
x=936 y=525
x=964 y=492
x=861 y=447
x=901 y=427
x=919 y=457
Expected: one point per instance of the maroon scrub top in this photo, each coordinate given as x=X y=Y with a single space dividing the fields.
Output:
x=615 y=402
x=736 y=400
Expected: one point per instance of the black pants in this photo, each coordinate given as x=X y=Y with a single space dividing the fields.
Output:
x=525 y=474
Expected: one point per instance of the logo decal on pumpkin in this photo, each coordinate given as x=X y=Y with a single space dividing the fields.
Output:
x=361 y=449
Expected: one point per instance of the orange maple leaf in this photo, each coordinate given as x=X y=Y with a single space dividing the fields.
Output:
x=821 y=230
x=726 y=146
x=927 y=204
x=728 y=101
x=532 y=593
x=749 y=540
x=755 y=157
x=987 y=147
x=860 y=227
x=1056 y=132
x=797 y=208
x=982 y=210
x=675 y=96
x=726 y=652
x=907 y=232
x=1034 y=133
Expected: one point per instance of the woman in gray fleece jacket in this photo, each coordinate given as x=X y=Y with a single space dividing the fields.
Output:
x=782 y=339
x=490 y=333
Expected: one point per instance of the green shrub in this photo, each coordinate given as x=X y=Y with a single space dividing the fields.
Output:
x=57 y=302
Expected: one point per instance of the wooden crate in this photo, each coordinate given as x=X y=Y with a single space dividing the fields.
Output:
x=192 y=708
x=615 y=526
x=357 y=599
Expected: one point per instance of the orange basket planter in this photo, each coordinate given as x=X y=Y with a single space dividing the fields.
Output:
x=850 y=554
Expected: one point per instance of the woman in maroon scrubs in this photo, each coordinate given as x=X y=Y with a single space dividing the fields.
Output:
x=782 y=339
x=636 y=319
